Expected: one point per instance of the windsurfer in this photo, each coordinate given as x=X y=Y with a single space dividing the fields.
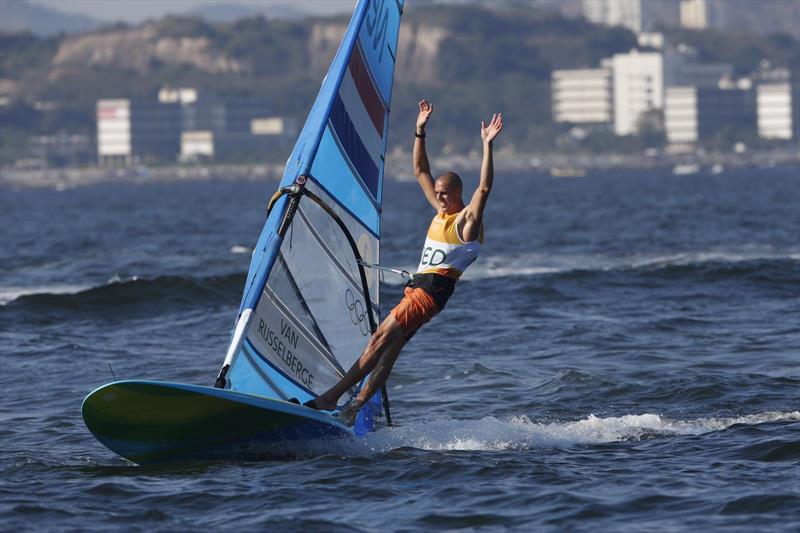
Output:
x=453 y=242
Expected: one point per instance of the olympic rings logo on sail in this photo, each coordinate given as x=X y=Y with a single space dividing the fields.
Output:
x=357 y=314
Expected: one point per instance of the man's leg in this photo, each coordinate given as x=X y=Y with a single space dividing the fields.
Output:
x=376 y=380
x=387 y=340
x=382 y=370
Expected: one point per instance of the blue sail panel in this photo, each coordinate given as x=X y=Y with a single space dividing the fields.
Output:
x=344 y=185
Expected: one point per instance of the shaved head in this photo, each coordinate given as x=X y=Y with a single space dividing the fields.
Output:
x=447 y=190
x=451 y=180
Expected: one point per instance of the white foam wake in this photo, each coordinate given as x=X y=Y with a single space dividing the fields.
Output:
x=238 y=249
x=521 y=433
x=525 y=264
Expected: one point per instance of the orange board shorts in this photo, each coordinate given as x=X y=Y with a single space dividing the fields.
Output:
x=415 y=309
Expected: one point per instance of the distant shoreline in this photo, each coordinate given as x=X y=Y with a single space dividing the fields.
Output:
x=398 y=167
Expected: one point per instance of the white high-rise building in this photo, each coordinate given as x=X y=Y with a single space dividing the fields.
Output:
x=775 y=111
x=131 y=130
x=114 y=130
x=196 y=145
x=638 y=80
x=701 y=14
x=680 y=114
x=582 y=96
x=694 y=14
x=626 y=13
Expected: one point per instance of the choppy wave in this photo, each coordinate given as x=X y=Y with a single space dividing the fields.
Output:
x=539 y=264
x=128 y=291
x=11 y=293
x=710 y=263
x=521 y=433
x=772 y=268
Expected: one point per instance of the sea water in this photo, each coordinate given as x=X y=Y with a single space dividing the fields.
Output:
x=624 y=355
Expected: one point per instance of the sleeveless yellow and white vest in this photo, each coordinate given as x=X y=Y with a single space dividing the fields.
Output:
x=444 y=252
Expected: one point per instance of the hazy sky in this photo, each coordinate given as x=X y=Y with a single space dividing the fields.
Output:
x=138 y=10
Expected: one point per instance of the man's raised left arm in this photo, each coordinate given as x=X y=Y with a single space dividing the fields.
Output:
x=474 y=211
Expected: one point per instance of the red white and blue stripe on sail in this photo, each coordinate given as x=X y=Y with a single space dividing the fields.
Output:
x=350 y=116
x=357 y=122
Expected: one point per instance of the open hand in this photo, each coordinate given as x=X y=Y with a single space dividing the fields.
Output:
x=488 y=133
x=425 y=110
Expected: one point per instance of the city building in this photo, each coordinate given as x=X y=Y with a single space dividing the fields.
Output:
x=778 y=110
x=636 y=15
x=114 y=131
x=187 y=124
x=627 y=13
x=638 y=87
x=701 y=14
x=651 y=39
x=681 y=68
x=269 y=126
x=183 y=96
x=582 y=96
x=197 y=145
x=680 y=115
x=628 y=86
x=693 y=114
x=155 y=131
x=134 y=131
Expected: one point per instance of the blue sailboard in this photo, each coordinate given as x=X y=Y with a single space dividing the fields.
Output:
x=309 y=306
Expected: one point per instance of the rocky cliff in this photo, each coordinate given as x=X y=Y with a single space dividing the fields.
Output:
x=137 y=50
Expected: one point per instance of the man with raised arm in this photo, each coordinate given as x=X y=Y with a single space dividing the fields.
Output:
x=453 y=243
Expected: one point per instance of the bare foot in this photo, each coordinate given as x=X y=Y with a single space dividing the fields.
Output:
x=349 y=413
x=320 y=404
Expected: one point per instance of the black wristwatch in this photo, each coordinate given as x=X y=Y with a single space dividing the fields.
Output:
x=419 y=135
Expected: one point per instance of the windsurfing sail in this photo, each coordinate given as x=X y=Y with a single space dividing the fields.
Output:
x=309 y=306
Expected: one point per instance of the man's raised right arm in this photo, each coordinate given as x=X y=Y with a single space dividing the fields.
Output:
x=422 y=169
